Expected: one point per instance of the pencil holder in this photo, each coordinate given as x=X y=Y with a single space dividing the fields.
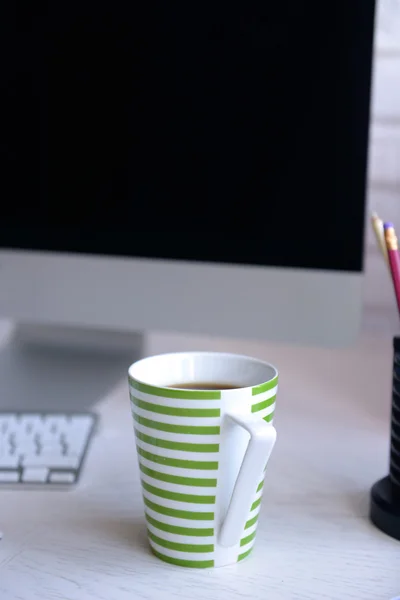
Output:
x=385 y=494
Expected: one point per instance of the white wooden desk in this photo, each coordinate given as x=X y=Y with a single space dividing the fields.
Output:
x=314 y=539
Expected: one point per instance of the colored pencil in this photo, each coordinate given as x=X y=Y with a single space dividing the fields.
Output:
x=377 y=225
x=394 y=259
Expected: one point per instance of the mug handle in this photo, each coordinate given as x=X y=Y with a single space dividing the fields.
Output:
x=262 y=441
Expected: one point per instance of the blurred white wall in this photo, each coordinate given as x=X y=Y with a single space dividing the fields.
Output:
x=384 y=160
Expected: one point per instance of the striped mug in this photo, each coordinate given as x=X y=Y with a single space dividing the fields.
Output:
x=202 y=452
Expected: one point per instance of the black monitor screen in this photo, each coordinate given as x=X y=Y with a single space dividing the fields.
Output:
x=216 y=131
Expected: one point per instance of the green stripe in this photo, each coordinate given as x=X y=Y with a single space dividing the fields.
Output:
x=185 y=429
x=263 y=404
x=179 y=514
x=194 y=531
x=244 y=555
x=192 y=498
x=248 y=539
x=251 y=522
x=260 y=486
x=175 y=393
x=193 y=481
x=255 y=504
x=264 y=387
x=193 y=564
x=269 y=417
x=176 y=412
x=183 y=446
x=180 y=547
x=177 y=462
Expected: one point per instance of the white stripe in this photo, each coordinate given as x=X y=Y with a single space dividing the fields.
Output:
x=179 y=454
x=200 y=421
x=182 y=555
x=179 y=505
x=253 y=513
x=250 y=530
x=175 y=402
x=174 y=437
x=265 y=412
x=264 y=396
x=243 y=549
x=179 y=522
x=259 y=494
x=197 y=473
x=180 y=489
x=180 y=539
x=172 y=420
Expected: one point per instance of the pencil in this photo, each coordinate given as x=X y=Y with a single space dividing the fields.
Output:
x=394 y=259
x=377 y=225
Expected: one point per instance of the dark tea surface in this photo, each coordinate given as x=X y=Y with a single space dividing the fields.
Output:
x=204 y=385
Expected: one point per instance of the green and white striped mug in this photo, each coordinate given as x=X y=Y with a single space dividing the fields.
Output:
x=202 y=453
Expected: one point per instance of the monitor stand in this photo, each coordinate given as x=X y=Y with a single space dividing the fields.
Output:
x=62 y=368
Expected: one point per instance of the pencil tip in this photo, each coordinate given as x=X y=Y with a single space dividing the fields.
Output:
x=387 y=225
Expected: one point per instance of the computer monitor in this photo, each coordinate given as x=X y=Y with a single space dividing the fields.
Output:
x=196 y=168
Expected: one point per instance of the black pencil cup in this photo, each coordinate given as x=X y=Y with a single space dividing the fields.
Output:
x=385 y=494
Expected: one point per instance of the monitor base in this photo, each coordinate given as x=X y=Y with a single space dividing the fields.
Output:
x=60 y=368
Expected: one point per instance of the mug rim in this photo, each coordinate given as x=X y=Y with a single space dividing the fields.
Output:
x=176 y=355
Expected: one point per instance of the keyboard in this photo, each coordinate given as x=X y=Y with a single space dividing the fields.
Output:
x=46 y=448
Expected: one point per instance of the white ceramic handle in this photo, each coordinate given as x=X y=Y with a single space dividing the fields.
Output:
x=262 y=440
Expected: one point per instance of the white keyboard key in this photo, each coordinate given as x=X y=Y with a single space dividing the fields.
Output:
x=9 y=461
x=35 y=475
x=70 y=461
x=26 y=447
x=77 y=446
x=52 y=461
x=50 y=447
x=16 y=429
x=62 y=477
x=9 y=476
x=4 y=423
x=4 y=445
x=81 y=423
x=32 y=424
x=12 y=425
x=39 y=428
x=54 y=425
